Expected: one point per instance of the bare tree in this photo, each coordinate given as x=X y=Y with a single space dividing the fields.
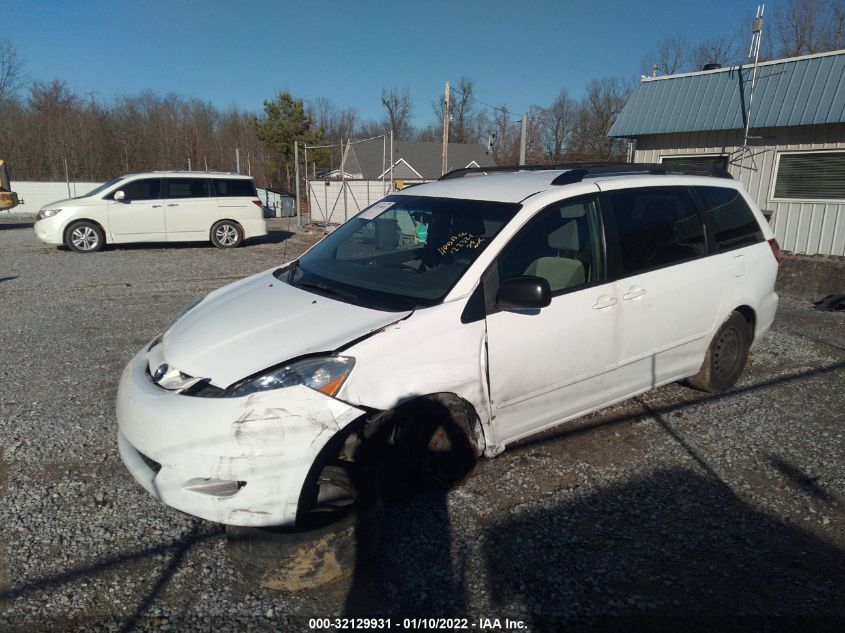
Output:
x=398 y=112
x=721 y=49
x=670 y=56
x=803 y=27
x=12 y=76
x=558 y=124
x=603 y=102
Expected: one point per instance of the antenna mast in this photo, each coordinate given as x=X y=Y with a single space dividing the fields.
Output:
x=754 y=51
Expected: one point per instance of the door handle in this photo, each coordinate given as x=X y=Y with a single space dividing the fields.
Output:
x=175 y=204
x=604 y=302
x=633 y=293
x=157 y=206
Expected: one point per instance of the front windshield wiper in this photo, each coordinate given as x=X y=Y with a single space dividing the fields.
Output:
x=347 y=296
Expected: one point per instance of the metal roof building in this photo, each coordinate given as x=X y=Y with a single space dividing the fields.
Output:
x=794 y=161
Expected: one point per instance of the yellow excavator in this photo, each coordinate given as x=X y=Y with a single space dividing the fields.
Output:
x=8 y=198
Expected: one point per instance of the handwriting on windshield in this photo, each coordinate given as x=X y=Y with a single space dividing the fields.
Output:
x=459 y=242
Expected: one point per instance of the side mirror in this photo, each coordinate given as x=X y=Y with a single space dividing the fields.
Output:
x=119 y=196
x=524 y=293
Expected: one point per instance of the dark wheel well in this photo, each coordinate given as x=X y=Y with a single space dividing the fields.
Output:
x=750 y=318
x=372 y=441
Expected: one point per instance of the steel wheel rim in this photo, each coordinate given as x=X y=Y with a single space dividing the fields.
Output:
x=726 y=354
x=84 y=238
x=227 y=235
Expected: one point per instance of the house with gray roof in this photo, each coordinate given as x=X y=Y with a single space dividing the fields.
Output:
x=792 y=158
x=413 y=161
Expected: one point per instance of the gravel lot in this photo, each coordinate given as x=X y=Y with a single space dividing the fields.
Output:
x=675 y=511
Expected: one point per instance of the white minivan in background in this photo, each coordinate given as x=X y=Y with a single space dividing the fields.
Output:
x=448 y=320
x=166 y=206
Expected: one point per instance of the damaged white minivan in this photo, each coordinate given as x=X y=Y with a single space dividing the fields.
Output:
x=445 y=322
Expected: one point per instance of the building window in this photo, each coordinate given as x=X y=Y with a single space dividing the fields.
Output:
x=704 y=161
x=811 y=176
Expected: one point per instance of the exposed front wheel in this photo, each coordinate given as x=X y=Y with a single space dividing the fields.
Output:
x=84 y=237
x=726 y=356
x=338 y=528
x=227 y=234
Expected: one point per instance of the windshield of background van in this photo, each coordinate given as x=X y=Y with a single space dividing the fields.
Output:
x=402 y=252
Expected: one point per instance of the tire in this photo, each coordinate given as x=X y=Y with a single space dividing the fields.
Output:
x=726 y=356
x=331 y=539
x=227 y=234
x=434 y=446
x=84 y=237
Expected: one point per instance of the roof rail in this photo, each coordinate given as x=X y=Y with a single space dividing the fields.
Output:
x=576 y=172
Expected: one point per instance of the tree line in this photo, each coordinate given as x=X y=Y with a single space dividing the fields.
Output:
x=48 y=132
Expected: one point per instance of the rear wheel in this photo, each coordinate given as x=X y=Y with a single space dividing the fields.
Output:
x=338 y=528
x=84 y=237
x=726 y=356
x=227 y=234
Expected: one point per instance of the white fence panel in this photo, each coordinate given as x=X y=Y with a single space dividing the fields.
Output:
x=36 y=194
x=330 y=206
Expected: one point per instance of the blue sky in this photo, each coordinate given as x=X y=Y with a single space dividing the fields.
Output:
x=242 y=52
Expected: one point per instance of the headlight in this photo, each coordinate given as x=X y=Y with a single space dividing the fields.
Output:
x=46 y=213
x=326 y=374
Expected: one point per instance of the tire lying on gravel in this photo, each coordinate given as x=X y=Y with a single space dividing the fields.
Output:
x=340 y=530
x=726 y=356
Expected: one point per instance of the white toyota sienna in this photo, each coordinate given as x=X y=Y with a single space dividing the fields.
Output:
x=445 y=322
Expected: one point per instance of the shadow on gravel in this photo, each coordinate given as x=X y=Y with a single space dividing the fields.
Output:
x=5 y=226
x=177 y=549
x=805 y=482
x=2 y=279
x=567 y=430
x=673 y=551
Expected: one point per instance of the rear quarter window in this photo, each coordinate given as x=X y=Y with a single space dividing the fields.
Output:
x=729 y=218
x=235 y=187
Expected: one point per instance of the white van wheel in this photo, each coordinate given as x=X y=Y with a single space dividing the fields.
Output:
x=84 y=237
x=726 y=356
x=226 y=234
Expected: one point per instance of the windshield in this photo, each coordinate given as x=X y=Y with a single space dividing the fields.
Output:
x=403 y=252
x=102 y=187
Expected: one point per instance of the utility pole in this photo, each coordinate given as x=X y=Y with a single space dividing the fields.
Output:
x=444 y=164
x=343 y=177
x=391 y=160
x=296 y=175
x=237 y=160
x=522 y=138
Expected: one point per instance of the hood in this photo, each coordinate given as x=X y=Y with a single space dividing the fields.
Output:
x=73 y=202
x=260 y=322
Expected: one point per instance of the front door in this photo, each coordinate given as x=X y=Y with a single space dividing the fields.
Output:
x=139 y=217
x=555 y=363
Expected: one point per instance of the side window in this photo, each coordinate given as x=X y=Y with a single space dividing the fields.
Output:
x=656 y=227
x=187 y=188
x=729 y=218
x=145 y=189
x=229 y=188
x=562 y=244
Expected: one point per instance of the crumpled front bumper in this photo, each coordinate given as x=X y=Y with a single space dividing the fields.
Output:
x=239 y=461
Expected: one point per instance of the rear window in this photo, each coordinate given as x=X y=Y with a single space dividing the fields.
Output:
x=232 y=187
x=729 y=218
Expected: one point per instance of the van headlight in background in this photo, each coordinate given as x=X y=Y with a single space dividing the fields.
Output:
x=43 y=214
x=325 y=374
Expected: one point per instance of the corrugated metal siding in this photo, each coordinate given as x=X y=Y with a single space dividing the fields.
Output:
x=810 y=228
x=799 y=91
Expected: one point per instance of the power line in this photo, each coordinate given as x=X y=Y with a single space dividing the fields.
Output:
x=479 y=101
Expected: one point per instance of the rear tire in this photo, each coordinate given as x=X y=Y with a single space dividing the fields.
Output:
x=340 y=531
x=84 y=237
x=726 y=356
x=227 y=234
